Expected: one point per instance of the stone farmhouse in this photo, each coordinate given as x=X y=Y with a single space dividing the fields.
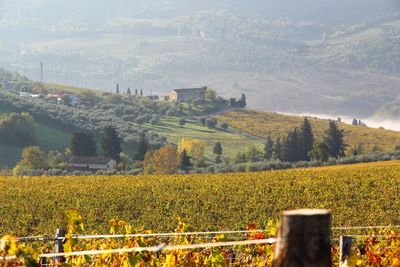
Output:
x=92 y=164
x=189 y=94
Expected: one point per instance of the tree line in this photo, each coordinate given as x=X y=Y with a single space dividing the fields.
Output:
x=81 y=144
x=300 y=145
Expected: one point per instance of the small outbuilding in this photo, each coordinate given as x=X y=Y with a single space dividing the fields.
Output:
x=92 y=163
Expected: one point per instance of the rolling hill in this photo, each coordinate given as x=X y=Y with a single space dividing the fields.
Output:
x=276 y=125
x=68 y=88
x=232 y=141
x=247 y=128
x=49 y=137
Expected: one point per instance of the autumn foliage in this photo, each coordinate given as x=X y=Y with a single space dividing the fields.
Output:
x=194 y=147
x=162 y=161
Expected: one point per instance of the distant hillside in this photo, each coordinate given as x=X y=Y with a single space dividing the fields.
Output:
x=276 y=125
x=336 y=57
x=390 y=111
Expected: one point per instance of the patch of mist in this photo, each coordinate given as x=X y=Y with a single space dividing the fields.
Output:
x=2 y=7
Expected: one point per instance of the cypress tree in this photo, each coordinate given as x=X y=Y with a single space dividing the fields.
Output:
x=141 y=92
x=185 y=160
x=242 y=102
x=268 y=149
x=110 y=143
x=218 y=149
x=136 y=92
x=128 y=92
x=117 y=90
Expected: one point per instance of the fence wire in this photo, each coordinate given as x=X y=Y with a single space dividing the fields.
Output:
x=48 y=238
x=154 y=249
x=44 y=238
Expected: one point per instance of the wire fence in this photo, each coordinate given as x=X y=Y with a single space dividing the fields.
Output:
x=48 y=238
x=366 y=227
x=165 y=247
x=154 y=249
x=207 y=233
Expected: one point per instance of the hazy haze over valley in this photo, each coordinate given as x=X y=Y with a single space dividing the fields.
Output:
x=323 y=57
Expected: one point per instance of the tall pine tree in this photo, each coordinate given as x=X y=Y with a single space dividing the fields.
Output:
x=292 y=147
x=142 y=148
x=185 y=160
x=334 y=140
x=218 y=152
x=82 y=144
x=110 y=143
x=306 y=140
x=278 y=150
x=268 y=149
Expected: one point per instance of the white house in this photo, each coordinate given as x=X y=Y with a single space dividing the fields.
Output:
x=93 y=164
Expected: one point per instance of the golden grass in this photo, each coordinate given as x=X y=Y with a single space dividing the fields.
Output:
x=276 y=125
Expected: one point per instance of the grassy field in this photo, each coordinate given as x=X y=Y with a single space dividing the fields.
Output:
x=48 y=138
x=69 y=88
x=52 y=138
x=204 y=108
x=364 y=194
x=276 y=125
x=232 y=142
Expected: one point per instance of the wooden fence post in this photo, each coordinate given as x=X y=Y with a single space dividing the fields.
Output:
x=42 y=262
x=59 y=245
x=304 y=239
x=345 y=249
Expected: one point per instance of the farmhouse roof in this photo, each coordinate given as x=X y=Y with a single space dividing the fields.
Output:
x=190 y=89
x=90 y=160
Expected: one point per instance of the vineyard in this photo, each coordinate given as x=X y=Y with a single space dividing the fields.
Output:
x=263 y=124
x=364 y=194
x=356 y=195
